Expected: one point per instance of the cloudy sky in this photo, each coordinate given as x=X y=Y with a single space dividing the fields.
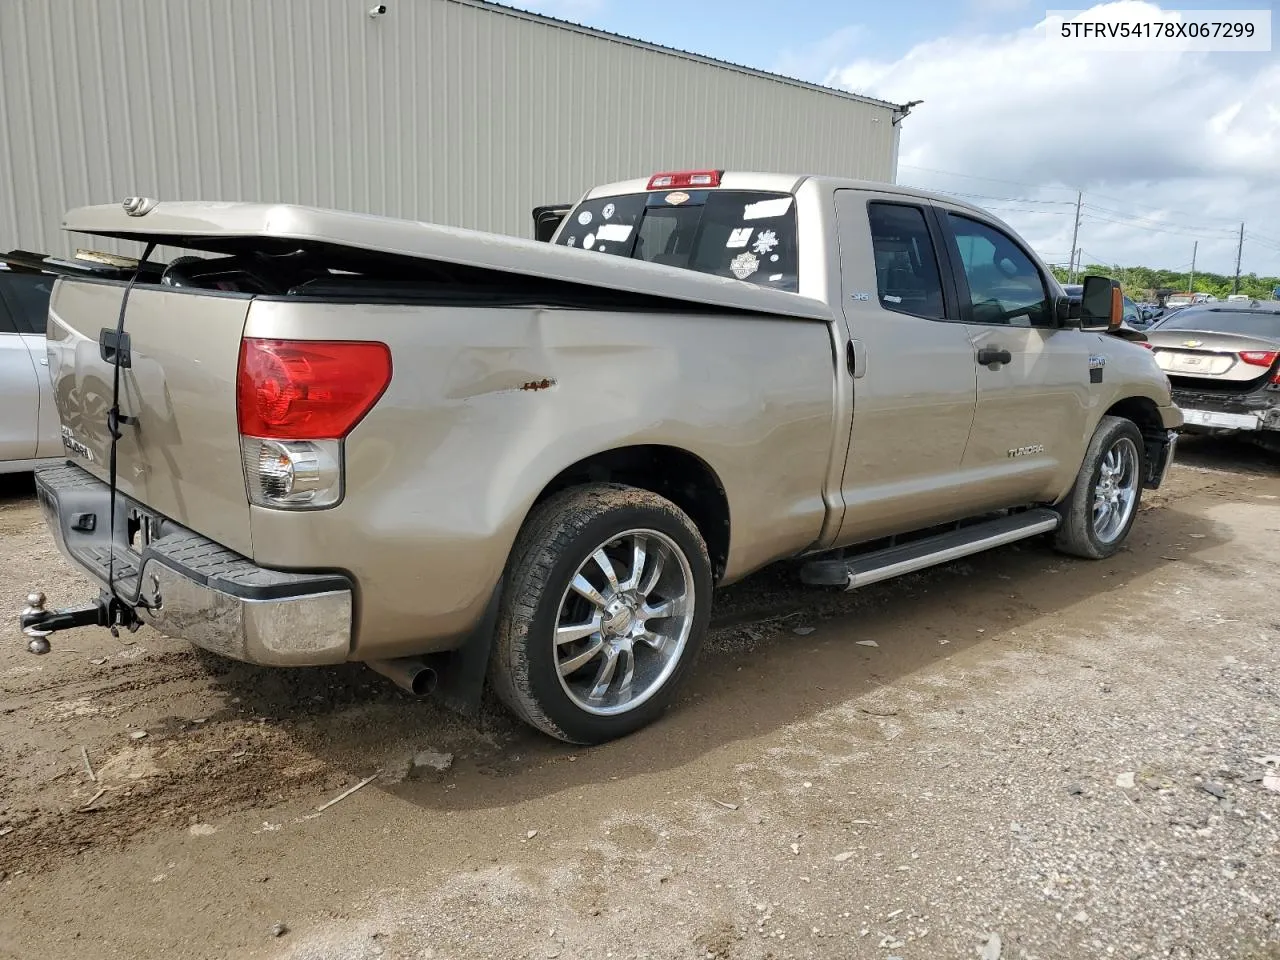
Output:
x=1168 y=147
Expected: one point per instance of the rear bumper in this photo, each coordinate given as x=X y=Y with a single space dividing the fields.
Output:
x=191 y=588
x=1205 y=411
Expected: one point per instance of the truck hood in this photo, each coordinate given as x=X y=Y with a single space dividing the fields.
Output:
x=223 y=227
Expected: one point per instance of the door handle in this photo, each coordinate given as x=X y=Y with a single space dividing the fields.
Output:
x=855 y=355
x=44 y=362
x=993 y=355
x=110 y=344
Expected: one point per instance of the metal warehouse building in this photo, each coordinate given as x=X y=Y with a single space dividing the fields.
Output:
x=458 y=111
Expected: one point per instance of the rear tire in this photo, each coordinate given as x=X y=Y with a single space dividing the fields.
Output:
x=605 y=605
x=1100 y=509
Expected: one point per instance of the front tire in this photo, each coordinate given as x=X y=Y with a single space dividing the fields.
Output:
x=606 y=602
x=1099 y=512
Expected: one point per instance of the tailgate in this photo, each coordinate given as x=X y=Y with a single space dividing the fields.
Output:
x=182 y=458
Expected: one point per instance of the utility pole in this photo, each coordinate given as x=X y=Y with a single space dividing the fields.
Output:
x=1235 y=287
x=1075 y=233
x=1191 y=281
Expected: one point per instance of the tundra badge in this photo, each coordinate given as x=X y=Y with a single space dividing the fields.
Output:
x=75 y=446
x=1026 y=451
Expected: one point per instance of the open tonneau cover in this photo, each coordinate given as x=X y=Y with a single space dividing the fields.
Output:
x=223 y=227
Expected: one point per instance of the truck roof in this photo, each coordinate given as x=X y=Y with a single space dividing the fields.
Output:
x=788 y=183
x=231 y=227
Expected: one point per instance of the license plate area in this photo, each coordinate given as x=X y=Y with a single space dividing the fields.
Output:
x=1212 y=418
x=1204 y=364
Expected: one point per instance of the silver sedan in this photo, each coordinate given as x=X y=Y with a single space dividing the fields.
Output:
x=29 y=430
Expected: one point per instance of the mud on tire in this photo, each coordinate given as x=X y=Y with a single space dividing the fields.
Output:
x=606 y=601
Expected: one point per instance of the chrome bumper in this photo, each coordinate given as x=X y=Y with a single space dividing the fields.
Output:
x=189 y=587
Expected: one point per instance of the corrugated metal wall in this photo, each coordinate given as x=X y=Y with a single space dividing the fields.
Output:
x=443 y=110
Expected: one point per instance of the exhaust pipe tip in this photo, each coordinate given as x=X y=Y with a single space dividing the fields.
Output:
x=408 y=673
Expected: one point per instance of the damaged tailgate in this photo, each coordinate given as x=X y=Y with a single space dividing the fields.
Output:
x=179 y=452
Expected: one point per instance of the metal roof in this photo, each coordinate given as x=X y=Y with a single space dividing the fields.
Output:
x=503 y=8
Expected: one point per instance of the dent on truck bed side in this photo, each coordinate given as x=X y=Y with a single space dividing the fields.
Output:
x=486 y=406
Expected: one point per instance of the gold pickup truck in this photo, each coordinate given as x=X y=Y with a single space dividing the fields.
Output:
x=466 y=459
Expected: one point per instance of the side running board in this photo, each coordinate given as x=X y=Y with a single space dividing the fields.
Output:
x=867 y=568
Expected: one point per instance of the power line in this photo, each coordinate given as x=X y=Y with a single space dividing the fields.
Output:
x=1041 y=186
x=969 y=176
x=1159 y=222
x=983 y=196
x=1152 y=229
x=1156 y=222
x=1263 y=241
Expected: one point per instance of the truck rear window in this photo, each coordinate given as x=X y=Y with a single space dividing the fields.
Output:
x=747 y=235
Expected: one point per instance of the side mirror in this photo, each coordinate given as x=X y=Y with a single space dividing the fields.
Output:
x=1101 y=304
x=1066 y=310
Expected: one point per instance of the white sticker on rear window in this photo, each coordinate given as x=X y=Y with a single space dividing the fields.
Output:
x=589 y=241
x=775 y=277
x=766 y=208
x=584 y=217
x=892 y=299
x=607 y=212
x=613 y=231
x=739 y=237
x=744 y=265
x=765 y=242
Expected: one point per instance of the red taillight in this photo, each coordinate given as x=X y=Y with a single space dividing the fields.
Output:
x=1144 y=343
x=685 y=178
x=1259 y=358
x=308 y=389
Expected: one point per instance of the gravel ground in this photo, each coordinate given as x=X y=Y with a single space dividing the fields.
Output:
x=1018 y=756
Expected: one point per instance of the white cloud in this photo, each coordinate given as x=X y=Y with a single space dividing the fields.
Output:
x=815 y=61
x=1187 y=142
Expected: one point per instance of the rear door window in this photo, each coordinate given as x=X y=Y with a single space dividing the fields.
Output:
x=907 y=277
x=747 y=235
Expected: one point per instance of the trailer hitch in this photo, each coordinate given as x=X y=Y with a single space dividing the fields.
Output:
x=37 y=622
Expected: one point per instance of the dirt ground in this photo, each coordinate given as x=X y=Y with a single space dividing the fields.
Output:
x=1017 y=756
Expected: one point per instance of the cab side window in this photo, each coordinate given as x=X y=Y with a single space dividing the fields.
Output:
x=1004 y=285
x=907 y=277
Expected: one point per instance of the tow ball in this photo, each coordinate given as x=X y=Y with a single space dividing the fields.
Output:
x=37 y=622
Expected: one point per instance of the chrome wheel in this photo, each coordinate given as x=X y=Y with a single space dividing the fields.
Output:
x=1116 y=492
x=624 y=622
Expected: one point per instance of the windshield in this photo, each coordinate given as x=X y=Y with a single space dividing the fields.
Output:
x=1247 y=324
x=747 y=235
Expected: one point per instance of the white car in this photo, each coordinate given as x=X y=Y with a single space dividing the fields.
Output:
x=30 y=433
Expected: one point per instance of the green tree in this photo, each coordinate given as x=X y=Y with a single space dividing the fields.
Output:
x=1141 y=283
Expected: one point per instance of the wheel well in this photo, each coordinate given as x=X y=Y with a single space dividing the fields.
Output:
x=1144 y=413
x=670 y=472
